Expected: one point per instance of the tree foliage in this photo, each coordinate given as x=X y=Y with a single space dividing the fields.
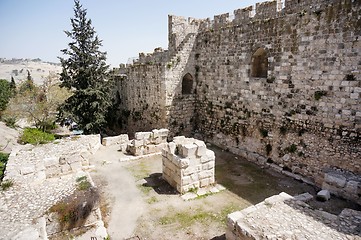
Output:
x=85 y=73
x=5 y=94
x=38 y=104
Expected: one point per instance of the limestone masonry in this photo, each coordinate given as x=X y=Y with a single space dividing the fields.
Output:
x=285 y=217
x=279 y=84
x=188 y=164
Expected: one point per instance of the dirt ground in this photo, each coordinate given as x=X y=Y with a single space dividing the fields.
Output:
x=138 y=204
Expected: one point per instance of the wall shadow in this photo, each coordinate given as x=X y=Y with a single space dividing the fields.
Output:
x=159 y=185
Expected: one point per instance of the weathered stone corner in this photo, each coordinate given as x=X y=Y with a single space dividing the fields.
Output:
x=188 y=164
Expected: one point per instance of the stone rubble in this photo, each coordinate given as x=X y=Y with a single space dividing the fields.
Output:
x=285 y=217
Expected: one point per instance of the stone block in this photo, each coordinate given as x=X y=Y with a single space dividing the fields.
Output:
x=335 y=179
x=142 y=135
x=27 y=170
x=208 y=165
x=194 y=177
x=353 y=188
x=75 y=166
x=65 y=168
x=323 y=195
x=52 y=171
x=206 y=174
x=305 y=197
x=204 y=182
x=184 y=162
x=179 y=139
x=201 y=148
x=188 y=150
x=51 y=161
x=186 y=180
x=109 y=141
x=73 y=159
x=137 y=143
x=172 y=147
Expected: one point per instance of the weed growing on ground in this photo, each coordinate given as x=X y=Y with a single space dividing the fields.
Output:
x=83 y=183
x=5 y=185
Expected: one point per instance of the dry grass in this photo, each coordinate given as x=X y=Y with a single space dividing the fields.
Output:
x=74 y=211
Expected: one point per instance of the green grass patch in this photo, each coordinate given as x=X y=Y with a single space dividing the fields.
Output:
x=35 y=136
x=188 y=218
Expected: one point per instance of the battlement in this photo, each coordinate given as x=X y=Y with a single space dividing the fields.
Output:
x=262 y=11
x=157 y=56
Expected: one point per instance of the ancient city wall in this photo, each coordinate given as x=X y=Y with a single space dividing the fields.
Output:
x=304 y=112
x=141 y=96
x=279 y=83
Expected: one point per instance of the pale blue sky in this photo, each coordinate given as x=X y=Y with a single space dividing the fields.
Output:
x=34 y=28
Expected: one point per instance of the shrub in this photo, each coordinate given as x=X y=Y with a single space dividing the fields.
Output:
x=73 y=211
x=264 y=132
x=83 y=183
x=319 y=94
x=291 y=149
x=36 y=136
x=10 y=122
x=3 y=160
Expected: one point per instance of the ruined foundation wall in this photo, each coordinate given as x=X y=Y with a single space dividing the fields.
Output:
x=306 y=114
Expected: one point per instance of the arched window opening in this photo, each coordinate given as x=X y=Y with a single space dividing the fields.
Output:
x=259 y=64
x=187 y=84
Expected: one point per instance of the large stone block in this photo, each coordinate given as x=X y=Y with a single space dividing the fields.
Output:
x=51 y=161
x=188 y=150
x=109 y=141
x=335 y=179
x=142 y=135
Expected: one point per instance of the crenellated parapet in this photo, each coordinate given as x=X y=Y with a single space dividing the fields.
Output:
x=262 y=11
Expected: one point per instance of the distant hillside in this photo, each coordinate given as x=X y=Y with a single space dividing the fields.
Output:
x=18 y=68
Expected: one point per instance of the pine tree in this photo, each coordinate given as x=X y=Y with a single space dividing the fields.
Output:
x=85 y=73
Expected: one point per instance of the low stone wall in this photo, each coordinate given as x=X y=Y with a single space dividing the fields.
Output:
x=343 y=183
x=51 y=160
x=285 y=217
x=188 y=164
x=120 y=139
x=42 y=176
x=148 y=142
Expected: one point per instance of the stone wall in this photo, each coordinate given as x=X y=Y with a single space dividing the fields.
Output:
x=285 y=217
x=148 y=142
x=305 y=115
x=280 y=82
x=188 y=164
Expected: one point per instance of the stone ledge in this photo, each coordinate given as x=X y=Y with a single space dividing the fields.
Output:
x=285 y=217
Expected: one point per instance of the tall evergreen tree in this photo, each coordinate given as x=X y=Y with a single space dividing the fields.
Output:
x=85 y=73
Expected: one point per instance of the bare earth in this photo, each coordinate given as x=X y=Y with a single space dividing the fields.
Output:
x=138 y=204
